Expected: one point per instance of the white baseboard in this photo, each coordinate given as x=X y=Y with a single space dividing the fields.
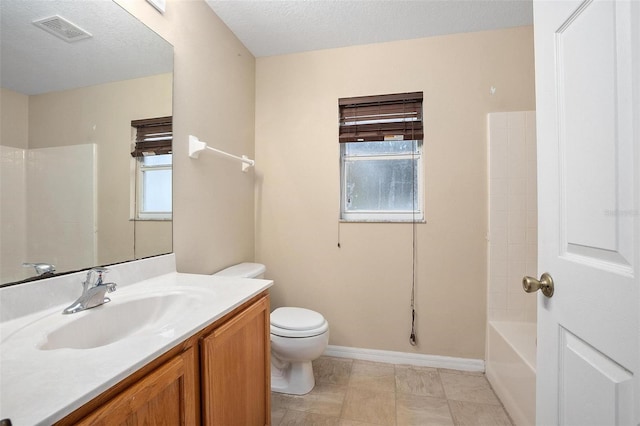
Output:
x=392 y=357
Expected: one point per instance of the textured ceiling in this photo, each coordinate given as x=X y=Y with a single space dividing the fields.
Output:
x=268 y=27
x=33 y=61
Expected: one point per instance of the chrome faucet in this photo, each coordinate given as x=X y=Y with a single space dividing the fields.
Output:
x=93 y=292
x=41 y=268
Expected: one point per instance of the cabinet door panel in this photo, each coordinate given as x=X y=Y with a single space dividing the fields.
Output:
x=163 y=397
x=235 y=370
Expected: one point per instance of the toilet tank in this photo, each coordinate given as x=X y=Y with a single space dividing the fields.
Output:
x=243 y=270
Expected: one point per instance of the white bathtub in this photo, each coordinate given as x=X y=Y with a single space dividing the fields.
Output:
x=511 y=368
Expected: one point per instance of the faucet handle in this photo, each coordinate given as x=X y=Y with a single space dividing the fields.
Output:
x=100 y=271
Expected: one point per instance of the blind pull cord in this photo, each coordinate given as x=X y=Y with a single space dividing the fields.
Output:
x=412 y=336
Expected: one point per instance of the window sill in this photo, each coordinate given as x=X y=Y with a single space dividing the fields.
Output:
x=151 y=220
x=382 y=221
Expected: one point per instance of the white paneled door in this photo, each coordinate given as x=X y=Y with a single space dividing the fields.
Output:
x=587 y=57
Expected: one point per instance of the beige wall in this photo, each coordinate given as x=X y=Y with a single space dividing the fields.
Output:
x=213 y=100
x=14 y=119
x=364 y=287
x=153 y=237
x=102 y=114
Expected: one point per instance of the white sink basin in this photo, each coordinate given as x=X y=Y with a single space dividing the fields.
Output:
x=122 y=317
x=51 y=364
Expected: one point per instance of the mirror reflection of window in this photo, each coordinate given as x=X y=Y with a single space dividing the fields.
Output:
x=153 y=168
x=154 y=191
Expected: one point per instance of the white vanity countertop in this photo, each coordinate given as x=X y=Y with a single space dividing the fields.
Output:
x=42 y=386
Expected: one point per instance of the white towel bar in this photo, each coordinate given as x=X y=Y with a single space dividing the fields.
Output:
x=196 y=147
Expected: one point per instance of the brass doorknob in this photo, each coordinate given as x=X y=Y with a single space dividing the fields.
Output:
x=531 y=285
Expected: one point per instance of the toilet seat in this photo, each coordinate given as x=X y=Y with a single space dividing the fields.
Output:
x=283 y=332
x=297 y=322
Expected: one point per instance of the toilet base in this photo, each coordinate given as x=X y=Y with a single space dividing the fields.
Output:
x=294 y=378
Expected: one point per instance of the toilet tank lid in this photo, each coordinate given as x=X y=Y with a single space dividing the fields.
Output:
x=243 y=270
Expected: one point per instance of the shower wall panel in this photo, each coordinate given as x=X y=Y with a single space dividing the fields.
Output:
x=512 y=215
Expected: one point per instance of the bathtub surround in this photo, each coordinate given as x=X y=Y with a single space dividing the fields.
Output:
x=513 y=215
x=70 y=215
x=31 y=176
x=14 y=140
x=511 y=367
x=72 y=210
x=13 y=244
x=511 y=329
x=364 y=287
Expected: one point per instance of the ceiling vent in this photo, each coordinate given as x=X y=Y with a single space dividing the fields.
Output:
x=61 y=28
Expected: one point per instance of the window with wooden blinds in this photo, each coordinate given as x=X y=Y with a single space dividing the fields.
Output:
x=378 y=118
x=153 y=136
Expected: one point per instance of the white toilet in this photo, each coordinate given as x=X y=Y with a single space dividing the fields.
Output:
x=298 y=336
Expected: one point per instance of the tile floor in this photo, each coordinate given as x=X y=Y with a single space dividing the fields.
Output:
x=361 y=393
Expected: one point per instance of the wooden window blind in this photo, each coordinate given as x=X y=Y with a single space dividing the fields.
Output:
x=377 y=118
x=153 y=136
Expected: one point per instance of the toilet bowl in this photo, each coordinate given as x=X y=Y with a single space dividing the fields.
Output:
x=298 y=336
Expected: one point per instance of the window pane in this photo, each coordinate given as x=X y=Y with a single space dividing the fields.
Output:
x=388 y=185
x=157 y=160
x=374 y=148
x=156 y=191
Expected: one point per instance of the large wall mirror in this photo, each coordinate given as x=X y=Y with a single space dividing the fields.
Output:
x=71 y=88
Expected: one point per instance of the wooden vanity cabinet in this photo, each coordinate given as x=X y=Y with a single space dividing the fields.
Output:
x=220 y=376
x=163 y=397
x=236 y=378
